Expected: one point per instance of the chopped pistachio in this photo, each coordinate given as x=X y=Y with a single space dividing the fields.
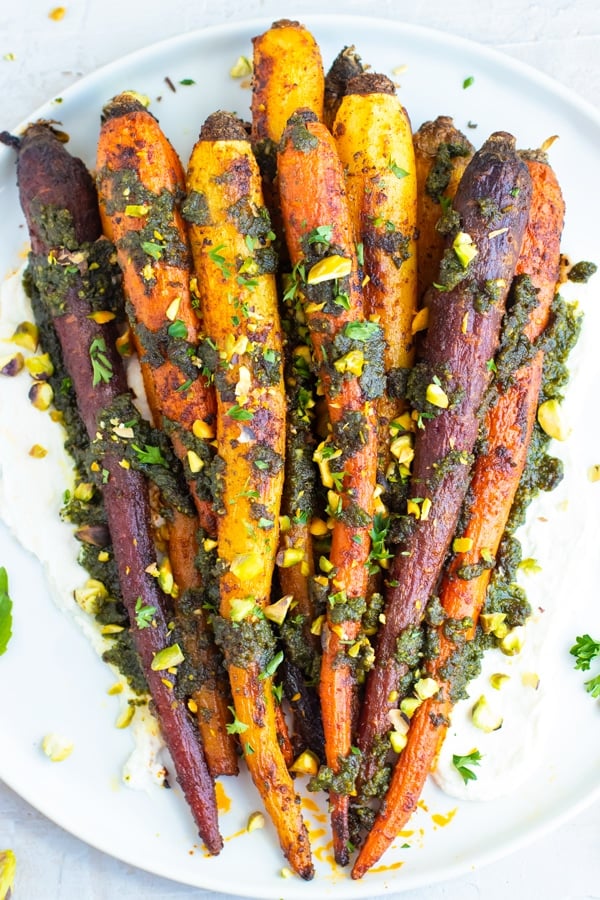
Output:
x=530 y=679
x=41 y=395
x=91 y=596
x=494 y=623
x=39 y=366
x=11 y=365
x=8 y=868
x=498 y=680
x=241 y=68
x=485 y=717
x=84 y=491
x=125 y=716
x=317 y=625
x=425 y=688
x=26 y=335
x=437 y=396
x=551 y=420
x=398 y=741
x=167 y=657
x=328 y=268
x=318 y=528
x=246 y=566
x=352 y=362
x=56 y=747
x=464 y=248
x=306 y=764
x=276 y=612
x=512 y=643
x=291 y=556
x=240 y=608
x=37 y=451
x=594 y=473
x=409 y=706
x=203 y=430
x=420 y=321
x=462 y=544
x=195 y=462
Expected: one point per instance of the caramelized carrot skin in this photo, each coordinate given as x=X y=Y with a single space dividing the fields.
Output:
x=459 y=341
x=508 y=427
x=308 y=157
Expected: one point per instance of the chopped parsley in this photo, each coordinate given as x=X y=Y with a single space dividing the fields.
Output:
x=102 y=369
x=468 y=82
x=143 y=614
x=235 y=727
x=5 y=612
x=462 y=763
x=151 y=455
x=585 y=650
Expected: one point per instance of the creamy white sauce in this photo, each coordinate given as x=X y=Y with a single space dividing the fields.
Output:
x=31 y=498
x=562 y=526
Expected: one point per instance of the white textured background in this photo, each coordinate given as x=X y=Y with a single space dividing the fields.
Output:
x=558 y=37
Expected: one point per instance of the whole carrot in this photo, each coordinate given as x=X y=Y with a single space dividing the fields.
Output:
x=446 y=389
x=507 y=430
x=140 y=183
x=348 y=361
x=70 y=269
x=234 y=261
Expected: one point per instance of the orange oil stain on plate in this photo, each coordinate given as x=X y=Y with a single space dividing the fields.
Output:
x=223 y=801
x=316 y=811
x=392 y=867
x=443 y=820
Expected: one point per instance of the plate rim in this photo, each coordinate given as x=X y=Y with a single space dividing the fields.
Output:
x=314 y=21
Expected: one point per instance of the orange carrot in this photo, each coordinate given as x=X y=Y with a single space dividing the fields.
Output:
x=231 y=244
x=348 y=358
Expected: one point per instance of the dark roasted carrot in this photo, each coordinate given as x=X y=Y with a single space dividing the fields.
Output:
x=345 y=66
x=61 y=208
x=234 y=263
x=442 y=153
x=348 y=359
x=140 y=181
x=507 y=430
x=446 y=389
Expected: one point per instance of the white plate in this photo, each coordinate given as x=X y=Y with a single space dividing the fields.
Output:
x=50 y=679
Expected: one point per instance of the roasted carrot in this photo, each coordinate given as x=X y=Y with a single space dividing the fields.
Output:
x=70 y=270
x=234 y=261
x=446 y=389
x=140 y=181
x=348 y=360
x=507 y=430
x=442 y=153
x=288 y=74
x=374 y=141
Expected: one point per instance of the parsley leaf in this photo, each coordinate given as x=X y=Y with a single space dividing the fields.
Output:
x=361 y=331
x=5 y=612
x=396 y=169
x=143 y=614
x=585 y=649
x=178 y=329
x=462 y=763
x=235 y=727
x=272 y=666
x=240 y=415
x=102 y=369
x=468 y=82
x=151 y=455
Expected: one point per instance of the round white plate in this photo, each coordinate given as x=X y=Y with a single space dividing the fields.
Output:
x=50 y=679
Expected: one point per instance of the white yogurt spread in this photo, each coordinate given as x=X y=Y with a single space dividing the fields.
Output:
x=31 y=498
